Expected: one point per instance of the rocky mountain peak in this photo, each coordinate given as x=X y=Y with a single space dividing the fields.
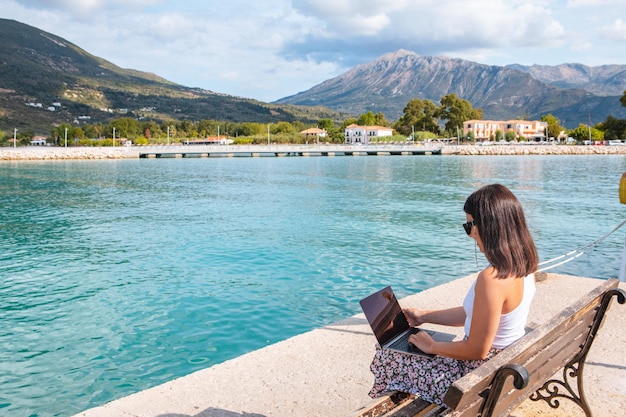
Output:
x=389 y=82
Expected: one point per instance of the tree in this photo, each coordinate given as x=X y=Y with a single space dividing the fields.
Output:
x=554 y=127
x=186 y=128
x=141 y=140
x=613 y=128
x=622 y=100
x=77 y=133
x=347 y=122
x=282 y=127
x=58 y=133
x=126 y=127
x=381 y=120
x=510 y=136
x=326 y=124
x=418 y=115
x=366 y=119
x=152 y=130
x=333 y=133
x=251 y=129
x=586 y=132
x=98 y=130
x=456 y=111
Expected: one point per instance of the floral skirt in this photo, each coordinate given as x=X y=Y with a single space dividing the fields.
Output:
x=427 y=378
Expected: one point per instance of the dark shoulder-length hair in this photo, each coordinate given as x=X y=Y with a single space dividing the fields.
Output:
x=499 y=217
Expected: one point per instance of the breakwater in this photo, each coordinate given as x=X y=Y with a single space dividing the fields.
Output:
x=40 y=153
x=533 y=150
x=134 y=152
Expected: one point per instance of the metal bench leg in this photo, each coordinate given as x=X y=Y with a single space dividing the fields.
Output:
x=550 y=391
x=520 y=380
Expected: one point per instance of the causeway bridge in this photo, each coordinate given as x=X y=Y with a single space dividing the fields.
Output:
x=210 y=151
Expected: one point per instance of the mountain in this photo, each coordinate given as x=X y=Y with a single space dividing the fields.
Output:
x=387 y=84
x=604 y=80
x=46 y=80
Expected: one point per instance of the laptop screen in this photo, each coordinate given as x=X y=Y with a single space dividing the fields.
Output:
x=384 y=314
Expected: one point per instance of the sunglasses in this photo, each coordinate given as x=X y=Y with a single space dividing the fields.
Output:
x=468 y=226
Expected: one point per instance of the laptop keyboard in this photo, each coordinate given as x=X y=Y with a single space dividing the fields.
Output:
x=402 y=343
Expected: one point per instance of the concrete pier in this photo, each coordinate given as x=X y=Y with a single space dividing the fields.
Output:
x=325 y=372
x=285 y=151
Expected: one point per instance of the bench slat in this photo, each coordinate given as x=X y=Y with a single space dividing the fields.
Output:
x=385 y=404
x=463 y=396
x=415 y=408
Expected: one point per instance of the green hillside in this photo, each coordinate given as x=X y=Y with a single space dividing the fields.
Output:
x=46 y=80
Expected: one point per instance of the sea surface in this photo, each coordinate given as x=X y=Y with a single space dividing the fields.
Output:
x=119 y=275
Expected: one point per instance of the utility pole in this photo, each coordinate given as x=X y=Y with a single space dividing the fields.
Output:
x=15 y=138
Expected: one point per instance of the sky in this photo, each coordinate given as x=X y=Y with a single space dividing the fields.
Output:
x=270 y=49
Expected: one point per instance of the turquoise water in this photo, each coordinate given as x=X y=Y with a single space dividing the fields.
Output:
x=120 y=275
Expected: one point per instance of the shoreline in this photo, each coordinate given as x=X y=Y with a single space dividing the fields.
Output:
x=34 y=153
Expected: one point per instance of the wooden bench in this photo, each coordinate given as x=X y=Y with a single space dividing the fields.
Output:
x=523 y=370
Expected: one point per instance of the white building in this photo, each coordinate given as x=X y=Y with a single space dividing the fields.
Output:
x=355 y=134
x=38 y=141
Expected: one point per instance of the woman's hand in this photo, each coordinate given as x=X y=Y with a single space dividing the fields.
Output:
x=414 y=316
x=422 y=341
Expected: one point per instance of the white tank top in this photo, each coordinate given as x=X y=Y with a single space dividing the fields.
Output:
x=513 y=324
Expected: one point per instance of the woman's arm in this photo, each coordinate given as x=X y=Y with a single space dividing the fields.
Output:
x=453 y=317
x=488 y=302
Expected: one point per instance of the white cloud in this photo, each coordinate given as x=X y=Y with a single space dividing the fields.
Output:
x=425 y=26
x=616 y=32
x=591 y=3
x=85 y=9
x=351 y=17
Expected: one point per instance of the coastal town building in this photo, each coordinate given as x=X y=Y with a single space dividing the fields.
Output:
x=209 y=140
x=355 y=134
x=484 y=130
x=38 y=141
x=315 y=133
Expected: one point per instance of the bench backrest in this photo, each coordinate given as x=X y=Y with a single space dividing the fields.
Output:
x=542 y=352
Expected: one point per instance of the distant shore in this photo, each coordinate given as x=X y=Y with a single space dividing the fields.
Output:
x=132 y=152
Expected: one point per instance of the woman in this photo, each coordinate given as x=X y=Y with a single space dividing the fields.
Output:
x=494 y=311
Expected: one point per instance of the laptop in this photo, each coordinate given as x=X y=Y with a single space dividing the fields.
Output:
x=390 y=326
